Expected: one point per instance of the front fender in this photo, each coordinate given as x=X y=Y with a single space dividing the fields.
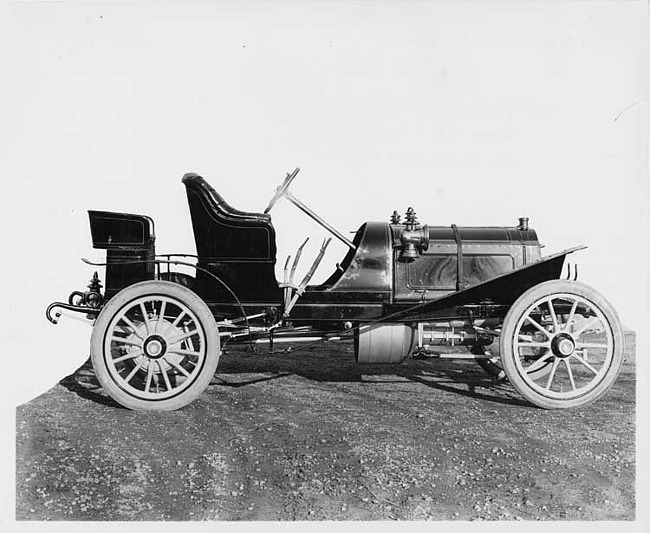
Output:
x=503 y=289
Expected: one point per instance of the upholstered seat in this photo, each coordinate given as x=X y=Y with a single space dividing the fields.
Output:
x=218 y=204
x=236 y=246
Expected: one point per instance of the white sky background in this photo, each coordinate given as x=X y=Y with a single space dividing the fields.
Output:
x=472 y=113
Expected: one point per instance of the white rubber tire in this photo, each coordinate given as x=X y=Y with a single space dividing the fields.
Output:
x=605 y=376
x=102 y=357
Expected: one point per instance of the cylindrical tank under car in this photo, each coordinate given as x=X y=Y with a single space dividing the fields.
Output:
x=384 y=343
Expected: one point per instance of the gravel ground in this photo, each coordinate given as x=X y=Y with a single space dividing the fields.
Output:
x=311 y=436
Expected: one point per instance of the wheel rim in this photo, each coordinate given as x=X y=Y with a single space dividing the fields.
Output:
x=154 y=347
x=569 y=333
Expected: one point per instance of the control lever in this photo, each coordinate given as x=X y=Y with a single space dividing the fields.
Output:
x=288 y=277
x=295 y=262
x=303 y=284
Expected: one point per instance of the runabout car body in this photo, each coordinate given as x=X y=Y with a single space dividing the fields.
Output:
x=402 y=289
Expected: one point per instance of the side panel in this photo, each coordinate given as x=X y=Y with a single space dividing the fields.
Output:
x=439 y=271
x=326 y=309
x=484 y=252
x=252 y=282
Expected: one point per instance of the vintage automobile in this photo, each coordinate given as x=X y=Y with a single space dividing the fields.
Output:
x=403 y=289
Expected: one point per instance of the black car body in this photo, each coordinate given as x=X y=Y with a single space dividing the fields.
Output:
x=402 y=289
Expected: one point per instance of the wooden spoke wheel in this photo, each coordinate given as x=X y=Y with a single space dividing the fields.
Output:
x=155 y=346
x=569 y=330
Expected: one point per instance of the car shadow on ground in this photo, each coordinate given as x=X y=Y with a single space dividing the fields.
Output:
x=337 y=364
x=84 y=384
x=241 y=367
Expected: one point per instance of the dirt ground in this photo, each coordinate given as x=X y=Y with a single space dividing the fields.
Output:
x=310 y=436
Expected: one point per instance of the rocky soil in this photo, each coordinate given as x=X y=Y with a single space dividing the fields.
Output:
x=308 y=435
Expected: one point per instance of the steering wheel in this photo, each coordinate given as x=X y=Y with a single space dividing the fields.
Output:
x=279 y=192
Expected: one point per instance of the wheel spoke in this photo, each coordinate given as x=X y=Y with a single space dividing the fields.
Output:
x=149 y=376
x=160 y=317
x=145 y=317
x=165 y=376
x=571 y=314
x=178 y=367
x=182 y=351
x=551 y=374
x=570 y=372
x=586 y=326
x=134 y=371
x=134 y=328
x=539 y=363
x=130 y=355
x=182 y=337
x=174 y=323
x=538 y=326
x=579 y=358
x=122 y=340
x=553 y=315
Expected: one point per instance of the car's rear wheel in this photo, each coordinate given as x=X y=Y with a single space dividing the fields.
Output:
x=582 y=345
x=155 y=346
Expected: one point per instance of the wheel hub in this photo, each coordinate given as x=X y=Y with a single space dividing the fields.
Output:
x=563 y=345
x=154 y=347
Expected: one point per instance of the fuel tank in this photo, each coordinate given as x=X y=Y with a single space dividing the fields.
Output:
x=384 y=343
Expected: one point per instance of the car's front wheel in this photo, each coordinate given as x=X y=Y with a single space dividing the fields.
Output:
x=155 y=346
x=570 y=331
